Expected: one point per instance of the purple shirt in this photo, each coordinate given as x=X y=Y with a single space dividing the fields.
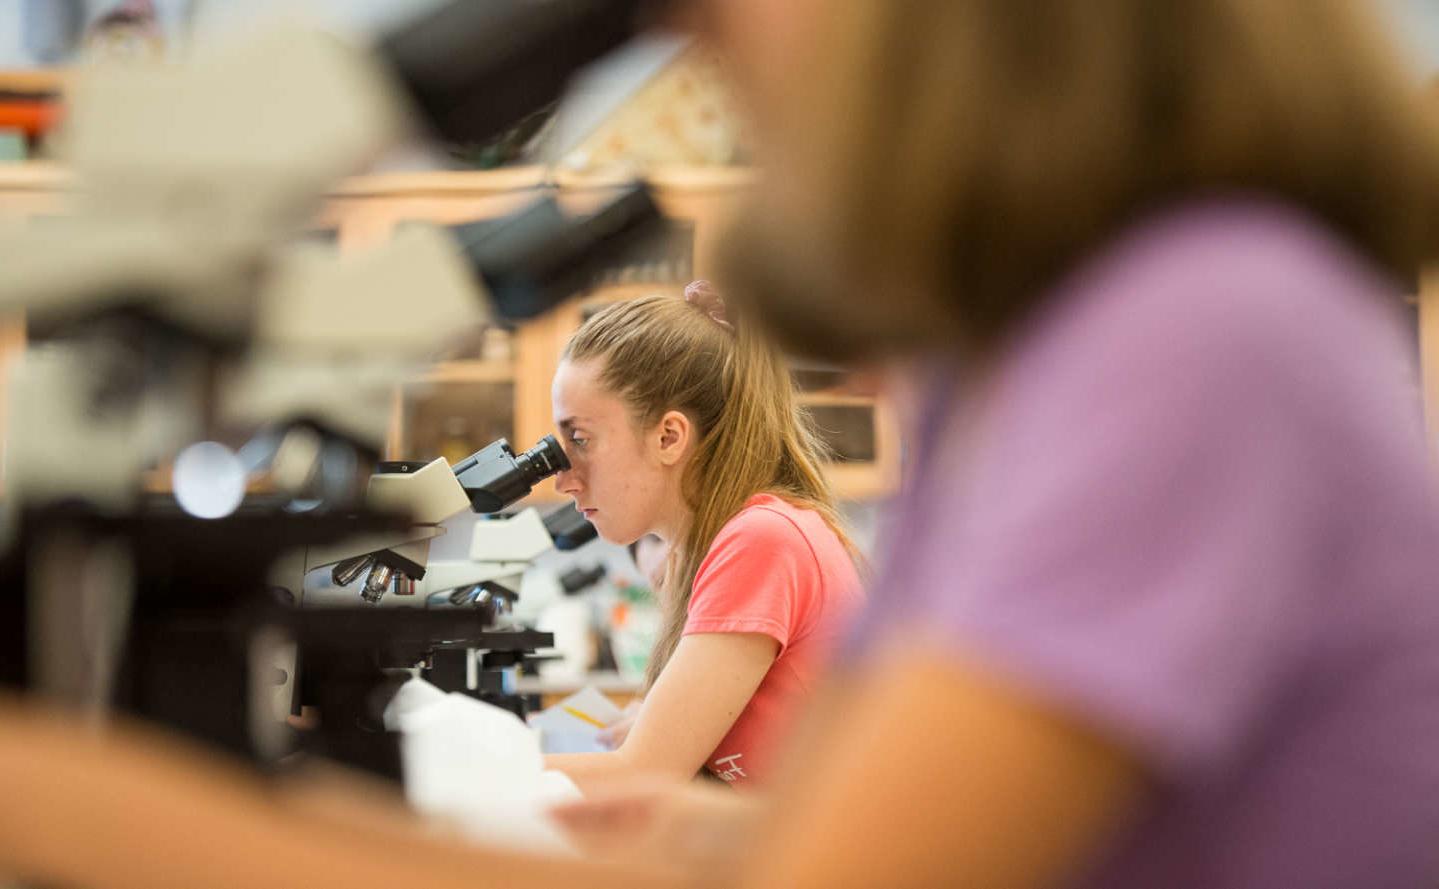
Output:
x=1191 y=507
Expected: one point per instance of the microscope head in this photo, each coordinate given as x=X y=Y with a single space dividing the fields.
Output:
x=495 y=476
x=428 y=494
x=487 y=481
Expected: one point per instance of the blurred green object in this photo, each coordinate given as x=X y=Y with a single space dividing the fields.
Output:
x=506 y=148
x=12 y=145
x=636 y=593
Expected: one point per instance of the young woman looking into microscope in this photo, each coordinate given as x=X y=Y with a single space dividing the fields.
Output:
x=679 y=423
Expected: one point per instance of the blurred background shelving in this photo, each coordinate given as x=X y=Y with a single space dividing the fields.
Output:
x=494 y=381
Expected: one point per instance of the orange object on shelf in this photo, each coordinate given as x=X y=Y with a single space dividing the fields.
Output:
x=35 y=118
x=30 y=99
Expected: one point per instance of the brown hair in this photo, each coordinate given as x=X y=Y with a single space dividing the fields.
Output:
x=659 y=353
x=953 y=158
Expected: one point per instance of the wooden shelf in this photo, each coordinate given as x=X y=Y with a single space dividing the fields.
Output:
x=34 y=81
x=476 y=371
x=452 y=183
x=442 y=183
x=35 y=176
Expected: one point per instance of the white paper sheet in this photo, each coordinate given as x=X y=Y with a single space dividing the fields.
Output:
x=573 y=725
x=478 y=767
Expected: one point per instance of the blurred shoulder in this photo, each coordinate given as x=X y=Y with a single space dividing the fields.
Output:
x=1231 y=266
x=1238 y=292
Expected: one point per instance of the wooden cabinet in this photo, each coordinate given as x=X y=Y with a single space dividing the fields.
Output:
x=496 y=382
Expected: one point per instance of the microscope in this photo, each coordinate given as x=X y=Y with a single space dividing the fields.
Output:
x=172 y=302
x=345 y=655
x=486 y=482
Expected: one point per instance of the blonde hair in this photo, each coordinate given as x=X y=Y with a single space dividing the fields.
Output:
x=946 y=162
x=659 y=353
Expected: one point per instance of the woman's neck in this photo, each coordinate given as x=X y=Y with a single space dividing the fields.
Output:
x=675 y=515
x=673 y=524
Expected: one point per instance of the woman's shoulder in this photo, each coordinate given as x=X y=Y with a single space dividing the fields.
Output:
x=776 y=542
x=770 y=518
x=773 y=516
x=769 y=524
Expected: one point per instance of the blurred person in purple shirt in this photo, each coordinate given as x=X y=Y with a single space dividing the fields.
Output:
x=1160 y=603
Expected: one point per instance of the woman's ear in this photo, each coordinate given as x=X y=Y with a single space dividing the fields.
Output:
x=675 y=432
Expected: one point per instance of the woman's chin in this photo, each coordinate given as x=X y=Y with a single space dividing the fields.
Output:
x=605 y=533
x=617 y=536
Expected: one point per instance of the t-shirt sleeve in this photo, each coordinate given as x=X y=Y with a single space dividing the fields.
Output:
x=1141 y=537
x=755 y=579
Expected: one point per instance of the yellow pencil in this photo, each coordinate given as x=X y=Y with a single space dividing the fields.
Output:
x=584 y=716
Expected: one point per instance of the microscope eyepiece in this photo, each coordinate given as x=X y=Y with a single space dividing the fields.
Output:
x=542 y=461
x=495 y=476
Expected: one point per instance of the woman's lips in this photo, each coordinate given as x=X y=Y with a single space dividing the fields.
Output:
x=587 y=513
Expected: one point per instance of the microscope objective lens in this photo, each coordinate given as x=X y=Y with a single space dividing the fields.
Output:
x=378 y=583
x=345 y=572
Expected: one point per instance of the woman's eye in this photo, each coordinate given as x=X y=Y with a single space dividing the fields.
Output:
x=579 y=440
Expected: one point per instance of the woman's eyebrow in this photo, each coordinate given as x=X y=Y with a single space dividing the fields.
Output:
x=569 y=423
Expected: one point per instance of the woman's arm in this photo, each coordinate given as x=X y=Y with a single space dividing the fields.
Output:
x=701 y=827
x=920 y=771
x=932 y=772
x=138 y=809
x=702 y=690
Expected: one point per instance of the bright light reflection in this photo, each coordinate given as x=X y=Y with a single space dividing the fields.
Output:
x=209 y=480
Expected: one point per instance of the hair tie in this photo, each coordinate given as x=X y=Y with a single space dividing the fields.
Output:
x=702 y=295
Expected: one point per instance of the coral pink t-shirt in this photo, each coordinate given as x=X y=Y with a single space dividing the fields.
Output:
x=775 y=569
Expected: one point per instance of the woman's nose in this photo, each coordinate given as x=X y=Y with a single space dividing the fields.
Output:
x=567 y=481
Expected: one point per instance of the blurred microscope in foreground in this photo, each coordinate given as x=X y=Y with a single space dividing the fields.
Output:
x=172 y=303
